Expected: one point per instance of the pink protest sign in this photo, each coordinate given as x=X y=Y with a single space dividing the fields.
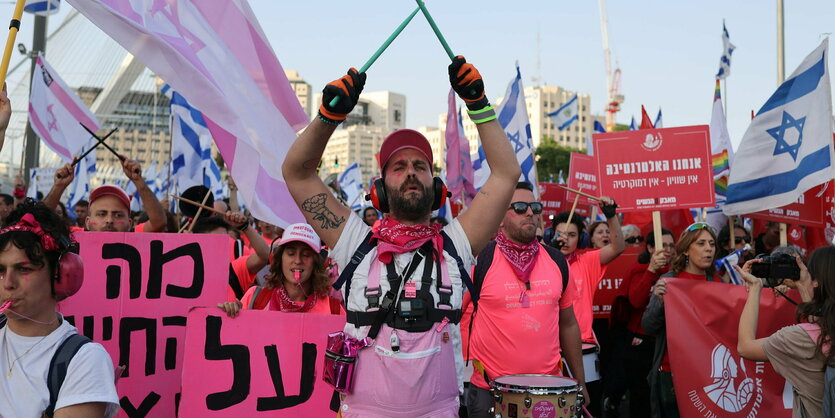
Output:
x=260 y=361
x=137 y=291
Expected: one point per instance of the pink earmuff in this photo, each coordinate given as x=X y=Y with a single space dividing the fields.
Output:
x=70 y=275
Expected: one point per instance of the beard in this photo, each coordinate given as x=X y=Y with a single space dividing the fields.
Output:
x=413 y=208
x=524 y=233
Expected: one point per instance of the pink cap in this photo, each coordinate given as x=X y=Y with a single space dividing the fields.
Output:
x=301 y=233
x=112 y=191
x=402 y=139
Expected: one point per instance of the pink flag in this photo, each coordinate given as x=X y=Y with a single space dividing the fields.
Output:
x=56 y=113
x=459 y=169
x=215 y=54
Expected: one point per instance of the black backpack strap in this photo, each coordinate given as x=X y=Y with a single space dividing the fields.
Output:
x=235 y=283
x=345 y=275
x=2 y=320
x=58 y=367
x=559 y=258
x=483 y=263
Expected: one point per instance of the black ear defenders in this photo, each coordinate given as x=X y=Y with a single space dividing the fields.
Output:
x=379 y=199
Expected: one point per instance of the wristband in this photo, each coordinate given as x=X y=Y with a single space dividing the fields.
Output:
x=486 y=114
x=329 y=121
x=243 y=227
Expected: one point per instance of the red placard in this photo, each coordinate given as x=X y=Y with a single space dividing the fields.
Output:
x=811 y=208
x=582 y=176
x=555 y=200
x=710 y=378
x=609 y=285
x=656 y=169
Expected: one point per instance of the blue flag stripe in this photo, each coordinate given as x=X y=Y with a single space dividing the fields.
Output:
x=779 y=183
x=797 y=87
x=563 y=107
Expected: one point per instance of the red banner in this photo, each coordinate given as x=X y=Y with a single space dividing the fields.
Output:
x=710 y=378
x=655 y=169
x=582 y=176
x=555 y=200
x=811 y=209
x=609 y=285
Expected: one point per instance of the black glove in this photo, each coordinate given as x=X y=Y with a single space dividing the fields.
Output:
x=348 y=89
x=466 y=81
x=609 y=210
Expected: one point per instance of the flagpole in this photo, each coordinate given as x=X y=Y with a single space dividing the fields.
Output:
x=781 y=75
x=14 y=27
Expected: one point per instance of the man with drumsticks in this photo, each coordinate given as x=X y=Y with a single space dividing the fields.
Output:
x=522 y=316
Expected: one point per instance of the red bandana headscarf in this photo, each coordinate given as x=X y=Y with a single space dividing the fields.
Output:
x=522 y=257
x=397 y=238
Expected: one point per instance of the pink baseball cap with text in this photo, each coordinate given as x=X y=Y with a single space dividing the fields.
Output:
x=303 y=233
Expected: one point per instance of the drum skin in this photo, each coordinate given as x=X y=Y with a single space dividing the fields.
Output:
x=536 y=395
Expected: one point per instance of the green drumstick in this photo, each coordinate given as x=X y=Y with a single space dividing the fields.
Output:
x=382 y=48
x=436 y=30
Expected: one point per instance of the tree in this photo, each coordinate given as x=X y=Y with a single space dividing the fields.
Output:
x=551 y=159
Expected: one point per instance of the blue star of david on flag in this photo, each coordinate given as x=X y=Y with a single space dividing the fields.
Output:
x=779 y=134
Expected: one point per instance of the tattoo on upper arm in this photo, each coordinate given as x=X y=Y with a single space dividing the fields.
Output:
x=316 y=206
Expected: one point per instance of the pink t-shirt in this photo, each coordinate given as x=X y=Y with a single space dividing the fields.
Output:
x=586 y=273
x=510 y=339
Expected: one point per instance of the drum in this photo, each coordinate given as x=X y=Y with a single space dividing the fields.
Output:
x=591 y=361
x=536 y=395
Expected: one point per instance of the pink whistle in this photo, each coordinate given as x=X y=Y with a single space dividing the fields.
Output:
x=5 y=306
x=297 y=275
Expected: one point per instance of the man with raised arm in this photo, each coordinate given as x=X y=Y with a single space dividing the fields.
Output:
x=109 y=208
x=406 y=291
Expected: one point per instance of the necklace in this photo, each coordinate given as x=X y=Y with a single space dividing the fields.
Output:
x=8 y=356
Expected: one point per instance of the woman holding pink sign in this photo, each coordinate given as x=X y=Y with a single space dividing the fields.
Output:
x=298 y=280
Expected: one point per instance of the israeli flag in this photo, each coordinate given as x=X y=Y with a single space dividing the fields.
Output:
x=787 y=149
x=726 y=263
x=191 y=149
x=632 y=125
x=351 y=183
x=599 y=128
x=84 y=171
x=42 y=7
x=658 y=123
x=725 y=60
x=513 y=117
x=566 y=114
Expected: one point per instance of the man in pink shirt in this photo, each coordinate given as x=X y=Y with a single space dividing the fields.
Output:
x=524 y=318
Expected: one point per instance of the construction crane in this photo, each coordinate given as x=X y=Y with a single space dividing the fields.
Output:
x=614 y=98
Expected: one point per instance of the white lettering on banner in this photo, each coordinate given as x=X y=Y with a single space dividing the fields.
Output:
x=777 y=211
x=641 y=167
x=790 y=212
x=640 y=202
x=585 y=177
x=676 y=180
x=663 y=200
x=630 y=183
x=692 y=179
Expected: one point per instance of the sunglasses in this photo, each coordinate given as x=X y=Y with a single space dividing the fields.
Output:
x=636 y=239
x=740 y=240
x=699 y=225
x=522 y=207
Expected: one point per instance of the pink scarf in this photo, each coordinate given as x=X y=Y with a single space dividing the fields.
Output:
x=522 y=257
x=397 y=238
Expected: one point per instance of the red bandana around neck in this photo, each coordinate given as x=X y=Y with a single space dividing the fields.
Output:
x=522 y=257
x=397 y=238
x=280 y=301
